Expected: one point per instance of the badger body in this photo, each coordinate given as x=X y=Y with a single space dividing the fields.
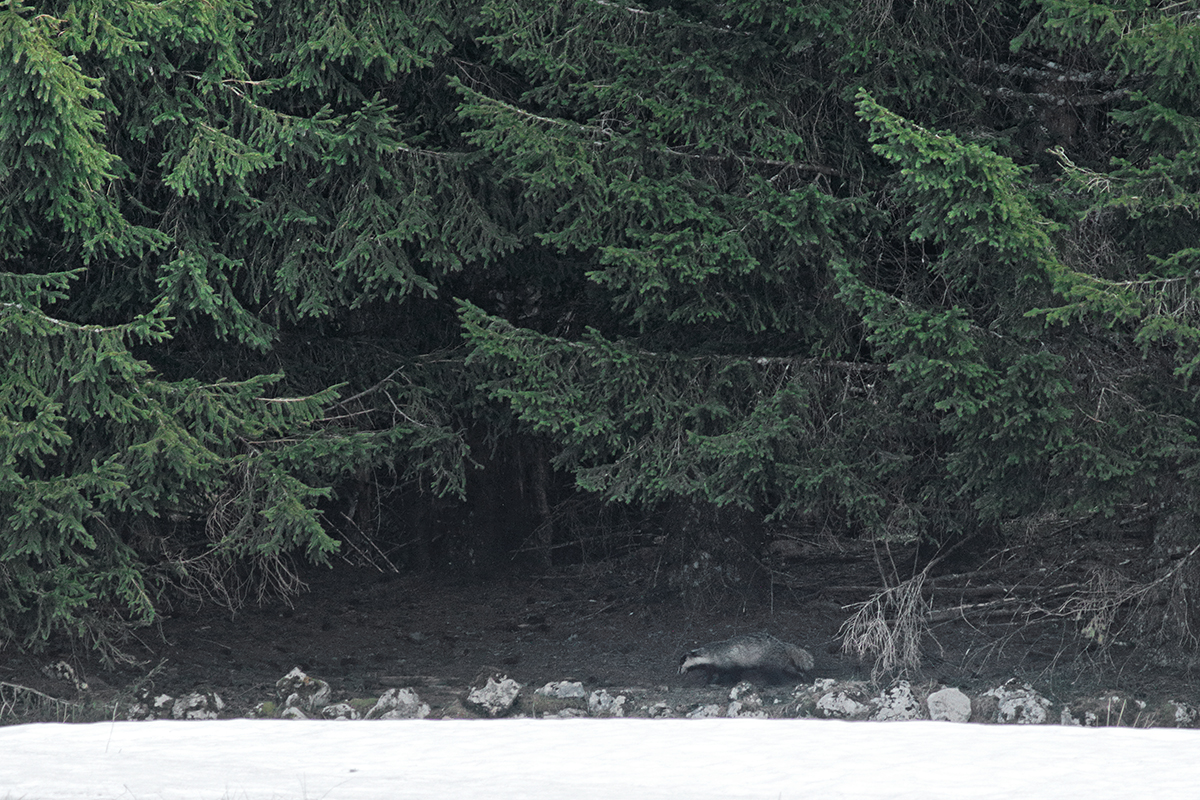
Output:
x=757 y=653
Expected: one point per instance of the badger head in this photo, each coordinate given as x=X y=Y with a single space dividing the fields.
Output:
x=691 y=660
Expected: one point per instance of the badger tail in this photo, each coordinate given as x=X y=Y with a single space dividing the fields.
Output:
x=801 y=659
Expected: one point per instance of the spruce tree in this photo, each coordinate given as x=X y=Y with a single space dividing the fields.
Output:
x=912 y=269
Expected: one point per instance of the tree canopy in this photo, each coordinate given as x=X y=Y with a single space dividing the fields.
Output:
x=915 y=268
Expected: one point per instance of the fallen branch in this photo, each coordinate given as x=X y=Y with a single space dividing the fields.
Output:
x=961 y=612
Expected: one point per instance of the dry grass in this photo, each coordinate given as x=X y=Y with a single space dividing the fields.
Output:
x=21 y=704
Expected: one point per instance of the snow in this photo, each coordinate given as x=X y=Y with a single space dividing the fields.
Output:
x=590 y=759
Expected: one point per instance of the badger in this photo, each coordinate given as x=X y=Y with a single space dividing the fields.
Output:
x=761 y=653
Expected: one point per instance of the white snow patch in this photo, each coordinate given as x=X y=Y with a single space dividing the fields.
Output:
x=590 y=759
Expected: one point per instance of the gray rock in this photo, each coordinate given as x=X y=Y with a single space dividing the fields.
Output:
x=198 y=705
x=949 y=704
x=745 y=688
x=706 y=711
x=150 y=706
x=738 y=709
x=298 y=690
x=399 y=704
x=495 y=698
x=562 y=690
x=745 y=702
x=137 y=712
x=840 y=705
x=1019 y=703
x=1185 y=715
x=602 y=704
x=568 y=713
x=340 y=711
x=897 y=703
x=659 y=709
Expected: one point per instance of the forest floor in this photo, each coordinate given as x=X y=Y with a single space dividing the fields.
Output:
x=364 y=631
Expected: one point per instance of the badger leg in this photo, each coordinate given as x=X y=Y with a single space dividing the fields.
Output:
x=725 y=677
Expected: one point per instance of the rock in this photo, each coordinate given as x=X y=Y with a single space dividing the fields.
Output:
x=342 y=711
x=398 y=704
x=896 y=704
x=706 y=711
x=562 y=689
x=148 y=707
x=799 y=708
x=744 y=688
x=1019 y=703
x=292 y=712
x=568 y=713
x=198 y=705
x=745 y=702
x=496 y=698
x=738 y=709
x=1185 y=715
x=558 y=696
x=298 y=690
x=949 y=705
x=840 y=705
x=659 y=709
x=1065 y=717
x=602 y=704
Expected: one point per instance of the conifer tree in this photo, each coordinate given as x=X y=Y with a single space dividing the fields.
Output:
x=910 y=268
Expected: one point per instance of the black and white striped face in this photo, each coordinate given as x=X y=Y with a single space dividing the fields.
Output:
x=691 y=660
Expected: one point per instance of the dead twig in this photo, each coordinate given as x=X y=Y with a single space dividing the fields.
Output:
x=24 y=702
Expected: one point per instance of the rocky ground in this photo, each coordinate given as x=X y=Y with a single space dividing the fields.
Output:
x=364 y=632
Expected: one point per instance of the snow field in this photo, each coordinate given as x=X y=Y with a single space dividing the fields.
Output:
x=591 y=759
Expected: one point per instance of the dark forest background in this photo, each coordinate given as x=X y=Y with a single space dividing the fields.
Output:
x=481 y=286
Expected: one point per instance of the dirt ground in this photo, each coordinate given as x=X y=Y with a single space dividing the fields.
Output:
x=364 y=631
